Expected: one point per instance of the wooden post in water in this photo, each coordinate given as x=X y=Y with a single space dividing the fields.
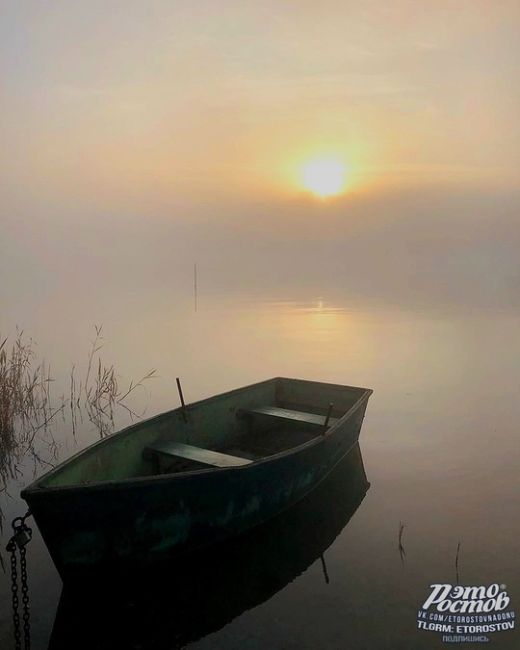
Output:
x=179 y=388
x=326 y=425
x=195 y=285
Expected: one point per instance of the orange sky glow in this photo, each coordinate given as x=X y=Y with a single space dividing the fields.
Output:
x=151 y=101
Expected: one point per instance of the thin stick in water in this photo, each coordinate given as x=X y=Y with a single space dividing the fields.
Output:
x=195 y=298
x=402 y=552
x=457 y=576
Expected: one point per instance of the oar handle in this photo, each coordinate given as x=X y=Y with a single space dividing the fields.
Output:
x=327 y=418
x=179 y=388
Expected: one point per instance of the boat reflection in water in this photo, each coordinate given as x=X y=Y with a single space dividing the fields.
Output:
x=185 y=601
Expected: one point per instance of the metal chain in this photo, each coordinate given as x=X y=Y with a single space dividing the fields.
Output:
x=11 y=547
x=25 y=600
x=21 y=537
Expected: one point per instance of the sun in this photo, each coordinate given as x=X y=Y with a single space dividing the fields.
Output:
x=324 y=177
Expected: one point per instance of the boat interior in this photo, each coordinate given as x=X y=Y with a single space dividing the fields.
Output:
x=267 y=431
x=230 y=430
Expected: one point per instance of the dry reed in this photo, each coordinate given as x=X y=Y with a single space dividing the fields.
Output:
x=101 y=390
x=28 y=408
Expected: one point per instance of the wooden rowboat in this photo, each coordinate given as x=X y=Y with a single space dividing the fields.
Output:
x=217 y=584
x=191 y=477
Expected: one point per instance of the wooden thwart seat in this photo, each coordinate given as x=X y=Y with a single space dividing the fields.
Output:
x=189 y=452
x=288 y=414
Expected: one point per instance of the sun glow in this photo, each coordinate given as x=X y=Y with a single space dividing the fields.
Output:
x=324 y=177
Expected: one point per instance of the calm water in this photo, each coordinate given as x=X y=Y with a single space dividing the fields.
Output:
x=439 y=445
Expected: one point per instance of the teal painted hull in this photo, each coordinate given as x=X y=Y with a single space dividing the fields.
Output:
x=142 y=520
x=282 y=549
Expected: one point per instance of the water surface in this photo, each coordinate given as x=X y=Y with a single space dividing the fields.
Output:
x=439 y=445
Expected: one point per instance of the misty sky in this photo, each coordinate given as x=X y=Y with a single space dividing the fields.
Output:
x=139 y=136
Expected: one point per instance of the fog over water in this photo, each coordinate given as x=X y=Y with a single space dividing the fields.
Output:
x=448 y=244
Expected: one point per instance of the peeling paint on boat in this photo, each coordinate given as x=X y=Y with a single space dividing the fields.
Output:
x=172 y=531
x=253 y=505
x=85 y=546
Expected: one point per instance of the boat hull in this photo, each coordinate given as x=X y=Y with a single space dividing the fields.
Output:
x=283 y=549
x=138 y=522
